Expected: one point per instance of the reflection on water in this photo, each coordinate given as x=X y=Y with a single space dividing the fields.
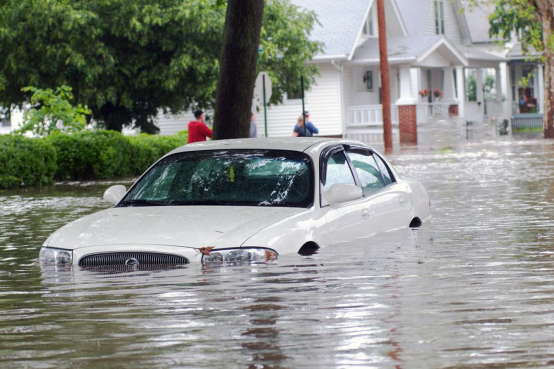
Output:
x=471 y=289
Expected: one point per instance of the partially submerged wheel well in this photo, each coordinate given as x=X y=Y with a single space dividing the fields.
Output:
x=415 y=223
x=309 y=248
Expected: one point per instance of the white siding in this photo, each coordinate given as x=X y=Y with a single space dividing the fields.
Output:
x=435 y=59
x=322 y=101
x=348 y=90
x=172 y=124
x=394 y=85
x=451 y=28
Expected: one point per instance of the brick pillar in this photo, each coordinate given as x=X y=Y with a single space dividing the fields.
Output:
x=453 y=111
x=407 y=121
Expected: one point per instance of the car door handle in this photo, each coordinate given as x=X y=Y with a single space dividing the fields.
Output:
x=365 y=214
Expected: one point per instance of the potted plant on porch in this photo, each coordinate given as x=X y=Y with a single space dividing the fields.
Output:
x=424 y=94
x=437 y=94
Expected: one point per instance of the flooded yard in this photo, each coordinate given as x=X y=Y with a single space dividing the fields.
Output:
x=473 y=288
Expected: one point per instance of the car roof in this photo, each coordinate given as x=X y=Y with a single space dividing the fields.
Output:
x=270 y=143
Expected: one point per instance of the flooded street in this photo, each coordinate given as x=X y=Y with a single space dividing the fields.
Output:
x=473 y=288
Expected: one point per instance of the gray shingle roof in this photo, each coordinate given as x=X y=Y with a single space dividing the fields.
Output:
x=398 y=47
x=477 y=19
x=414 y=13
x=341 y=23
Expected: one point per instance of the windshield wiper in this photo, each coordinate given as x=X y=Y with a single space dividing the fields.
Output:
x=141 y=202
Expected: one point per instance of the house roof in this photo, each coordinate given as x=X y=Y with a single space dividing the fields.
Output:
x=340 y=24
x=414 y=14
x=477 y=20
x=413 y=49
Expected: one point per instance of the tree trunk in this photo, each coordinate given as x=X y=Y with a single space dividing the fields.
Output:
x=545 y=9
x=235 y=84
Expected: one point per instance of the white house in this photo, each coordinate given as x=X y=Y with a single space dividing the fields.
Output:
x=431 y=45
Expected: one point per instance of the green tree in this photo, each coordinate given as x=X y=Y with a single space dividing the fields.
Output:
x=52 y=110
x=533 y=21
x=127 y=60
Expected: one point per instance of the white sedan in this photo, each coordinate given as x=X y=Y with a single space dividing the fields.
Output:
x=243 y=200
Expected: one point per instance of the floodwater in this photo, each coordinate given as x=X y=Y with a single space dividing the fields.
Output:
x=473 y=288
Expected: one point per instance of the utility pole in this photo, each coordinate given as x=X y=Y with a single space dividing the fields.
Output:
x=385 y=79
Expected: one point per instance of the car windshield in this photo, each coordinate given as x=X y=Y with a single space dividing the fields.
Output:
x=227 y=177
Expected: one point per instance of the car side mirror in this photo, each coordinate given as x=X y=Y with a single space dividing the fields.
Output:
x=115 y=193
x=342 y=192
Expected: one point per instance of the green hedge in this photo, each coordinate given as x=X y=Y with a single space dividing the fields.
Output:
x=82 y=155
x=26 y=161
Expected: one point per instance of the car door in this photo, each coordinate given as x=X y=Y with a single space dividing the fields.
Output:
x=399 y=207
x=384 y=204
x=344 y=220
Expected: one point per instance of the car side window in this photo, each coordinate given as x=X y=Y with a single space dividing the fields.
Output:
x=338 y=171
x=368 y=172
x=389 y=178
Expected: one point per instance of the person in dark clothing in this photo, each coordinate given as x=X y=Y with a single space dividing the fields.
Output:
x=253 y=127
x=310 y=126
x=198 y=130
x=299 y=128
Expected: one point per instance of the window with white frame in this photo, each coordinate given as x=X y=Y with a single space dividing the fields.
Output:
x=439 y=17
x=368 y=24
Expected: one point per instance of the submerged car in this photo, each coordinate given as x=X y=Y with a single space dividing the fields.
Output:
x=243 y=200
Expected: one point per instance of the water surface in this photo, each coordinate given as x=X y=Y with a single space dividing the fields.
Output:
x=473 y=288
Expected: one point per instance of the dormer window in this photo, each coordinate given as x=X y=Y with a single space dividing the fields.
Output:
x=439 y=17
x=368 y=24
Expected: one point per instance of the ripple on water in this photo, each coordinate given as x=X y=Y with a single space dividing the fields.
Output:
x=471 y=289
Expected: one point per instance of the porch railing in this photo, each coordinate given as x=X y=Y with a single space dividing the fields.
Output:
x=372 y=115
x=428 y=111
x=369 y=115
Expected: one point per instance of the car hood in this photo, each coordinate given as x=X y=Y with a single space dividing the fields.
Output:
x=188 y=226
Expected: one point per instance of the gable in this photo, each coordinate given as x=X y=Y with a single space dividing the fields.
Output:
x=451 y=27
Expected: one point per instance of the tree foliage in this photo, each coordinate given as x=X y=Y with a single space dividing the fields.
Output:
x=53 y=111
x=127 y=60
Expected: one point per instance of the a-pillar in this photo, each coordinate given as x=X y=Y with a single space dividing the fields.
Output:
x=480 y=98
x=461 y=90
x=449 y=93
x=407 y=113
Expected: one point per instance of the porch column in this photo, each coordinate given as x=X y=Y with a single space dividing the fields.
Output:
x=498 y=85
x=540 y=104
x=461 y=90
x=506 y=89
x=407 y=118
x=406 y=93
x=480 y=97
x=449 y=91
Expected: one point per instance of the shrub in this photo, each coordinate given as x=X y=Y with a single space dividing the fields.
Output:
x=79 y=155
x=147 y=149
x=91 y=154
x=26 y=161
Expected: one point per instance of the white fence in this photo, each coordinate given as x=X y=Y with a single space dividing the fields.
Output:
x=369 y=115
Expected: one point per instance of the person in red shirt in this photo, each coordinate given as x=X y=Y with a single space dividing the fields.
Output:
x=198 y=130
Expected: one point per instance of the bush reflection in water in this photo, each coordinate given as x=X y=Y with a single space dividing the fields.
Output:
x=471 y=289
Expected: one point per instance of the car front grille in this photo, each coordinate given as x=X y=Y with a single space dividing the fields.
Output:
x=133 y=259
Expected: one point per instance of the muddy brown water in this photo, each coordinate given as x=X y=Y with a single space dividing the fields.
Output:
x=473 y=288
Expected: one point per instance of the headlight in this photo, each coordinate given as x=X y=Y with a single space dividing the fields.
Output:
x=49 y=255
x=251 y=254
